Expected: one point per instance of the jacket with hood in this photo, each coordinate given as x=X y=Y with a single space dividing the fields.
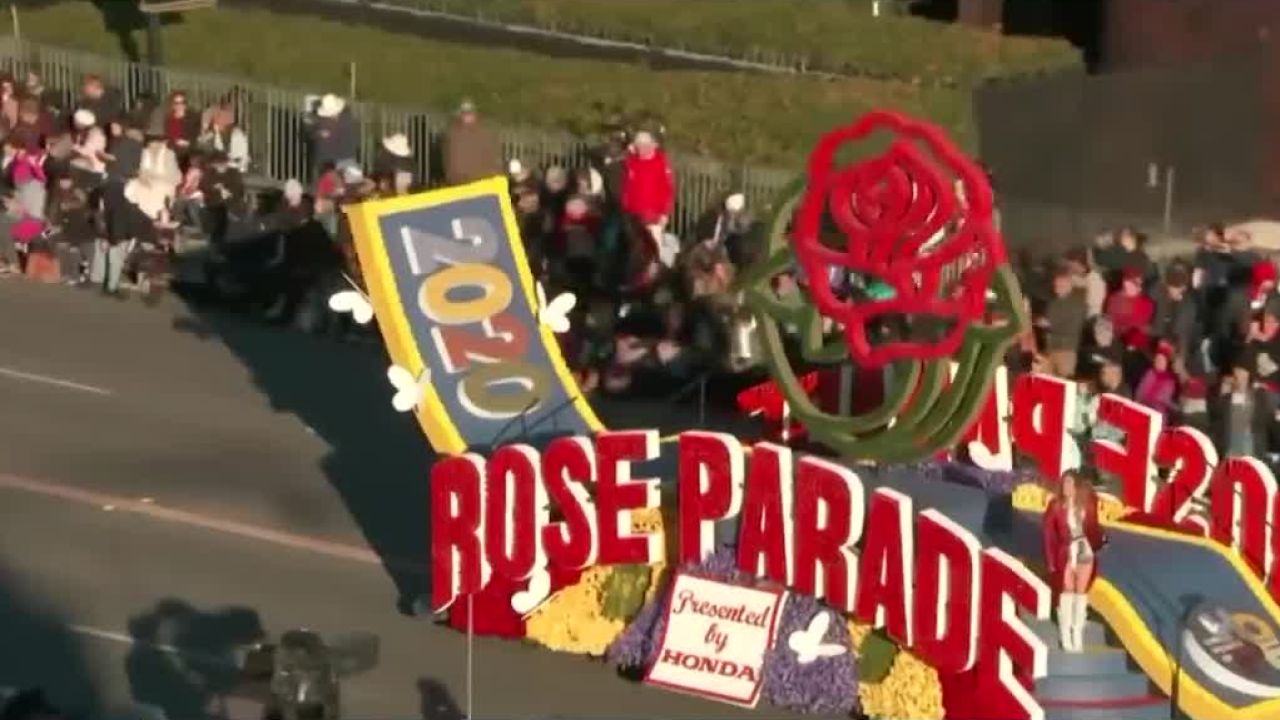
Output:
x=648 y=187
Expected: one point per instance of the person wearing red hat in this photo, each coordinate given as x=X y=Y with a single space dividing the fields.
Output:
x=1130 y=311
x=1262 y=283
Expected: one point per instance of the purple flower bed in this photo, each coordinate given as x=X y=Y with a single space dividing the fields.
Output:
x=994 y=482
x=824 y=686
x=637 y=646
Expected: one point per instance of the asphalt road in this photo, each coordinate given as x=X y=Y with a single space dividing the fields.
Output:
x=182 y=479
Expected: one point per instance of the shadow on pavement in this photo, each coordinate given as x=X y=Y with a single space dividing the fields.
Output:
x=378 y=461
x=37 y=650
x=437 y=701
x=184 y=660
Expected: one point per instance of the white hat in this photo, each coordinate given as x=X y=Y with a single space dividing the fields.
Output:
x=352 y=174
x=292 y=188
x=85 y=118
x=515 y=167
x=331 y=106
x=735 y=202
x=150 y=197
x=397 y=145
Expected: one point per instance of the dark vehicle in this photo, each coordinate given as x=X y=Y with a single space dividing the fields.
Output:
x=298 y=678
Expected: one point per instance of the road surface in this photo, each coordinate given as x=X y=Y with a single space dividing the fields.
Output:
x=175 y=481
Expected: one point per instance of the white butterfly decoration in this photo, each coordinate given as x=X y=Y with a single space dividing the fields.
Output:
x=555 y=314
x=526 y=601
x=807 y=644
x=354 y=302
x=408 y=388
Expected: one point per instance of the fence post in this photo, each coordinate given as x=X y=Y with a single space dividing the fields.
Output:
x=1168 y=201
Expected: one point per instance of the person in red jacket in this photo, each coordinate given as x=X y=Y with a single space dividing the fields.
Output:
x=1130 y=311
x=1072 y=539
x=649 y=185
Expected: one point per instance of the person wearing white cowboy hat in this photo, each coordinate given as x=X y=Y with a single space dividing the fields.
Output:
x=394 y=162
x=84 y=119
x=331 y=106
x=334 y=137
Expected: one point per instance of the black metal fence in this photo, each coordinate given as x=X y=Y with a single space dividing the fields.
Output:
x=272 y=118
x=1165 y=149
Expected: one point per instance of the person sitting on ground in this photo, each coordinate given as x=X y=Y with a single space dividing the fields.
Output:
x=188 y=198
x=47 y=100
x=33 y=124
x=224 y=135
x=708 y=272
x=158 y=164
x=223 y=193
x=31 y=181
x=89 y=153
x=71 y=223
x=181 y=125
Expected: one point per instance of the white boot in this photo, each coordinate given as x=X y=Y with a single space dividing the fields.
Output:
x=1066 y=616
x=1078 y=621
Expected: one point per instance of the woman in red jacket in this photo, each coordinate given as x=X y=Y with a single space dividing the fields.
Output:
x=1072 y=539
x=649 y=185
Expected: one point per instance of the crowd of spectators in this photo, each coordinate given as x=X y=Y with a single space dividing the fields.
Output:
x=98 y=194
x=1197 y=340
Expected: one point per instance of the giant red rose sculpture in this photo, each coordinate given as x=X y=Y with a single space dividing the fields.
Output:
x=902 y=274
x=904 y=224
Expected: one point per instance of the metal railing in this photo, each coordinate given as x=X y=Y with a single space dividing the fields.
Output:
x=272 y=118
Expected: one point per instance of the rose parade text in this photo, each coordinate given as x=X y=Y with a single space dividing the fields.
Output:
x=807 y=524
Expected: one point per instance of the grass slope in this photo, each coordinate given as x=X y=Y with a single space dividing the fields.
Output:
x=768 y=120
x=840 y=36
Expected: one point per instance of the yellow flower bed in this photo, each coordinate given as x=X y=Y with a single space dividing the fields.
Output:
x=572 y=619
x=910 y=690
x=1035 y=498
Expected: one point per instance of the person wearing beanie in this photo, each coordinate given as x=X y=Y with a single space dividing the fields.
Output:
x=472 y=150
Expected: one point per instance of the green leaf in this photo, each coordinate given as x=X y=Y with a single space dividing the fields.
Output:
x=624 y=591
x=875 y=657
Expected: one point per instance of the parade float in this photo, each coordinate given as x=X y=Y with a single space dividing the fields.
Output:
x=892 y=570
